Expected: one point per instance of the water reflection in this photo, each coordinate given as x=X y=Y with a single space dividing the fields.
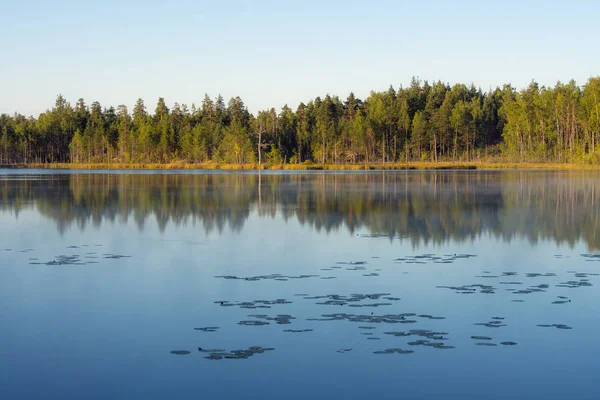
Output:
x=424 y=207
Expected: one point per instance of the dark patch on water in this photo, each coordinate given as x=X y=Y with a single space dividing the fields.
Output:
x=280 y=319
x=385 y=319
x=538 y=274
x=432 y=258
x=114 y=256
x=394 y=351
x=180 y=352
x=253 y=323
x=491 y=324
x=353 y=300
x=277 y=277
x=351 y=262
x=470 y=289
x=208 y=329
x=254 y=304
x=557 y=326
x=234 y=354
x=481 y=337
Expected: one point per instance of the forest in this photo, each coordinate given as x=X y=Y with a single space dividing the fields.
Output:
x=422 y=122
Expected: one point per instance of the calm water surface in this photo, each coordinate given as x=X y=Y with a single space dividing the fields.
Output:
x=102 y=275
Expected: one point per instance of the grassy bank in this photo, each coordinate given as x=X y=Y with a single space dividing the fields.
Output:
x=313 y=167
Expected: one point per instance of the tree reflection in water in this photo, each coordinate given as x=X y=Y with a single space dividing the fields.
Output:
x=425 y=207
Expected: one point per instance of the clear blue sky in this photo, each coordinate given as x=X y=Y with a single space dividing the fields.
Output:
x=276 y=52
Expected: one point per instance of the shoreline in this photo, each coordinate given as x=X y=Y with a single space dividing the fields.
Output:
x=309 y=167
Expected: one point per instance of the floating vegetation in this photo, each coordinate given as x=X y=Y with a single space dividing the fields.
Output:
x=114 y=256
x=591 y=256
x=254 y=304
x=370 y=305
x=376 y=319
x=66 y=260
x=74 y=259
x=339 y=300
x=207 y=329
x=469 y=289
x=492 y=324
x=180 y=352
x=420 y=333
x=557 y=326
x=351 y=263
x=253 y=323
x=394 y=351
x=280 y=319
x=432 y=258
x=427 y=316
x=575 y=284
x=512 y=282
x=537 y=274
x=234 y=354
x=277 y=277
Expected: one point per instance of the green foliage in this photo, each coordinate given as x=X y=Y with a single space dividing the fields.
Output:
x=421 y=122
x=274 y=157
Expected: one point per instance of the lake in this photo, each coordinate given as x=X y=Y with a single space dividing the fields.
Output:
x=324 y=285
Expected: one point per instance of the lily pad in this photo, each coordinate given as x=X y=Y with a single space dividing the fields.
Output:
x=180 y=352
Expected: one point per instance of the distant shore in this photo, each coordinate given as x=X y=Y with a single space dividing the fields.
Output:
x=309 y=167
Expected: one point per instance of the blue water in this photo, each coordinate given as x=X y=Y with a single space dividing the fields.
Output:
x=73 y=330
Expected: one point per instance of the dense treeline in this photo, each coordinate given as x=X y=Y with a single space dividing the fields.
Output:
x=422 y=122
x=429 y=208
